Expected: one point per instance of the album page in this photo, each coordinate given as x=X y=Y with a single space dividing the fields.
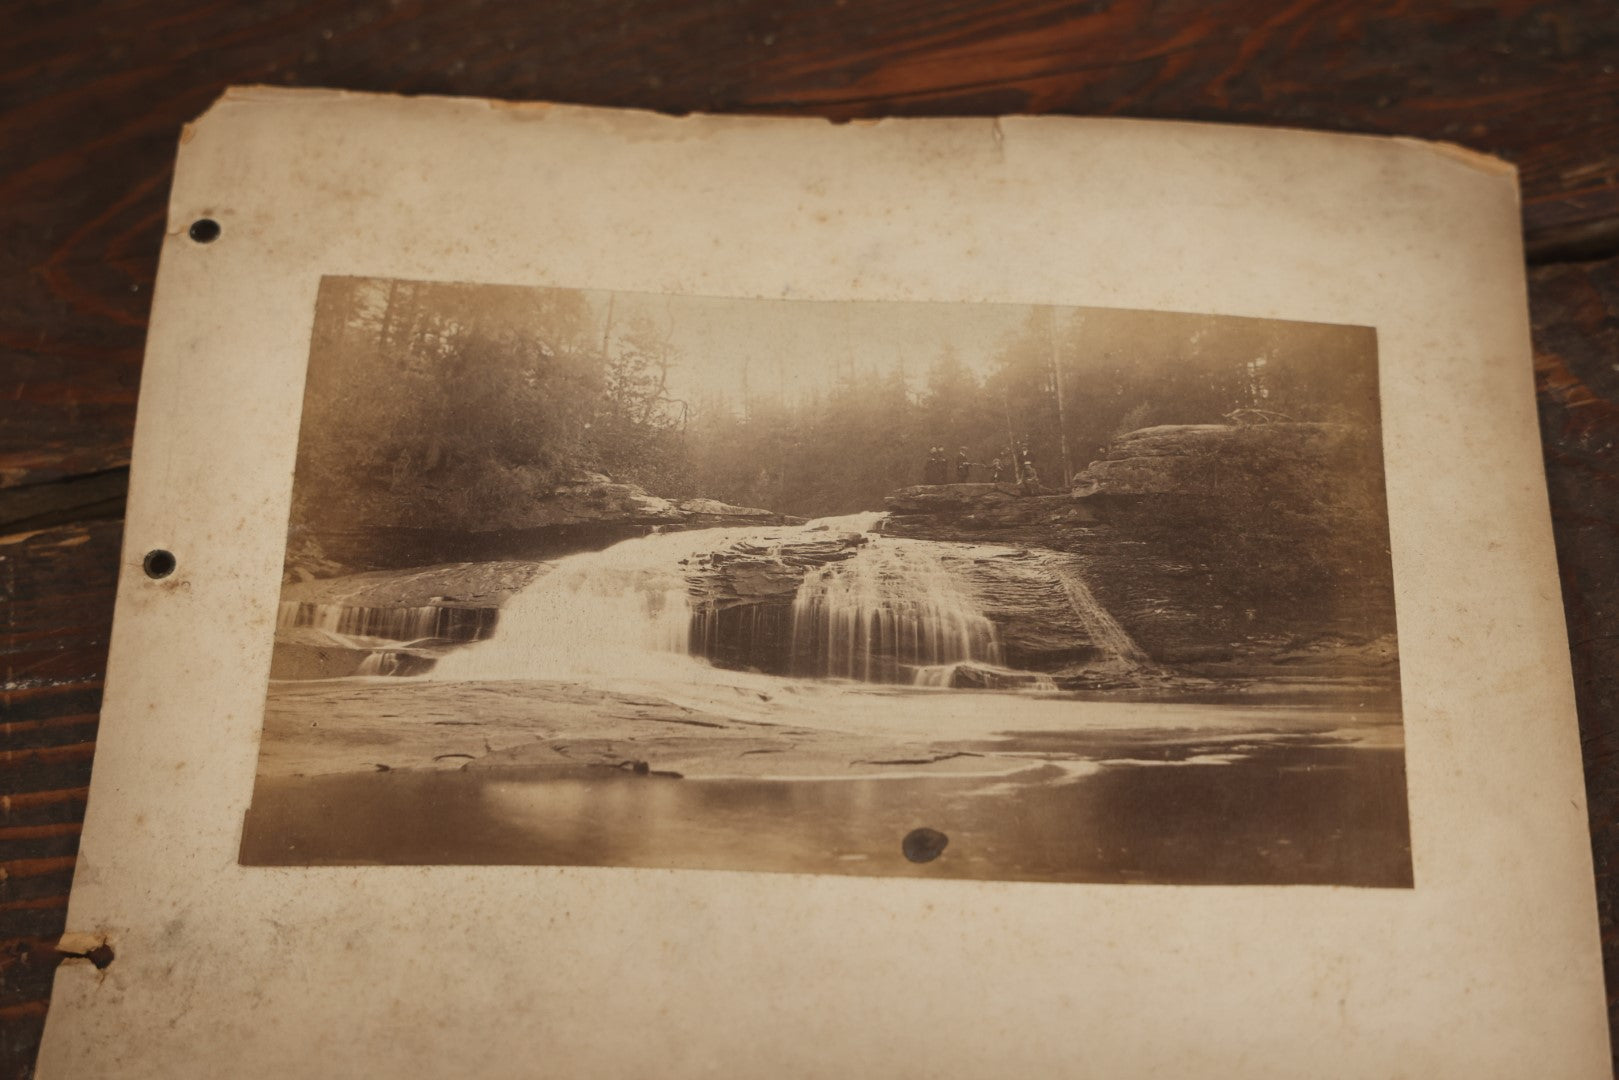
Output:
x=613 y=594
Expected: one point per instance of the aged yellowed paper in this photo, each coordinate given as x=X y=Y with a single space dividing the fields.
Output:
x=1100 y=568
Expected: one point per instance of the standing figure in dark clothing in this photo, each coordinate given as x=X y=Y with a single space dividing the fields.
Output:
x=934 y=471
x=964 y=467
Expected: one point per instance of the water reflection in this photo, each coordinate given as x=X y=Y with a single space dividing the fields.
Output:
x=1286 y=812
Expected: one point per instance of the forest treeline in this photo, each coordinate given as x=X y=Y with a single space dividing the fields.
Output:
x=443 y=404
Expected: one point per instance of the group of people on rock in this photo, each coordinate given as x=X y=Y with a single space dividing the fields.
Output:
x=937 y=468
x=1012 y=465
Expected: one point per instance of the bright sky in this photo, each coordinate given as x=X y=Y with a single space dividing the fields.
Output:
x=794 y=347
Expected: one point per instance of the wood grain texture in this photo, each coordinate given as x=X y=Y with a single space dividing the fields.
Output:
x=1575 y=312
x=95 y=95
x=92 y=96
x=56 y=590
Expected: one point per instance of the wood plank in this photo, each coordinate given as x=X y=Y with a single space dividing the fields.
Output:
x=96 y=95
x=1575 y=312
x=56 y=587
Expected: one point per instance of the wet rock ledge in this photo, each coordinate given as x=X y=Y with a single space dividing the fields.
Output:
x=586 y=513
x=1220 y=548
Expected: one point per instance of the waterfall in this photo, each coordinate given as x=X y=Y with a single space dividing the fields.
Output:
x=867 y=521
x=611 y=612
x=1101 y=625
x=886 y=610
x=387 y=623
x=381 y=662
x=983 y=676
x=891 y=609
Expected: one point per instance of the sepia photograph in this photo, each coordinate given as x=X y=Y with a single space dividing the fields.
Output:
x=959 y=590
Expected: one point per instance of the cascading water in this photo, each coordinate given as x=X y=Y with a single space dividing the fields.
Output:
x=867 y=521
x=334 y=639
x=382 y=662
x=893 y=609
x=983 y=676
x=870 y=608
x=617 y=611
x=387 y=623
x=880 y=615
x=1103 y=627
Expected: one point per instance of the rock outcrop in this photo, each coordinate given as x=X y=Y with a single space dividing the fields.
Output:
x=1218 y=548
x=972 y=513
x=462 y=584
x=1196 y=551
x=390 y=622
x=743 y=597
x=399 y=621
x=587 y=512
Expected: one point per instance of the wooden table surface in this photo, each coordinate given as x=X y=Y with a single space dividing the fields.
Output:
x=94 y=95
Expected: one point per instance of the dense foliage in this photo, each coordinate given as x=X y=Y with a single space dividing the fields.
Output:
x=433 y=403
x=447 y=403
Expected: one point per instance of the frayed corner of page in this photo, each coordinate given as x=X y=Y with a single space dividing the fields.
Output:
x=1488 y=164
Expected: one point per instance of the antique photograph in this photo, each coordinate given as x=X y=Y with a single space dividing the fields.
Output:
x=957 y=590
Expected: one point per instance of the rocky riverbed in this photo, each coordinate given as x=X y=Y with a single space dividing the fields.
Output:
x=1183 y=669
x=1213 y=551
x=761 y=727
x=417 y=771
